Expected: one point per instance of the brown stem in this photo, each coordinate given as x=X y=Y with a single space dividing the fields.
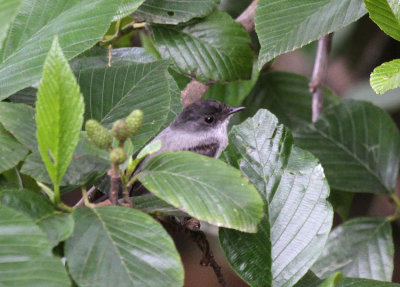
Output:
x=115 y=178
x=195 y=90
x=191 y=226
x=319 y=74
x=247 y=17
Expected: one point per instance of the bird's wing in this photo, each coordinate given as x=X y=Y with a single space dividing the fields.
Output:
x=209 y=149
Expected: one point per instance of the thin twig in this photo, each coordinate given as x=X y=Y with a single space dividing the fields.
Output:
x=191 y=226
x=195 y=90
x=89 y=194
x=319 y=74
x=115 y=178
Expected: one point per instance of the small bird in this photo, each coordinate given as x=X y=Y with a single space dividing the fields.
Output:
x=201 y=127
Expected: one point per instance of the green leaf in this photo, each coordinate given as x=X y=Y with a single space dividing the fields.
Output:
x=285 y=25
x=287 y=96
x=8 y=10
x=386 y=76
x=117 y=246
x=57 y=226
x=153 y=205
x=386 y=14
x=127 y=7
x=232 y=93
x=11 y=151
x=205 y=188
x=352 y=282
x=333 y=280
x=309 y=280
x=88 y=163
x=59 y=114
x=20 y=119
x=341 y=202
x=214 y=48
x=298 y=216
x=78 y=24
x=134 y=81
x=361 y=247
x=26 y=254
x=358 y=145
x=174 y=11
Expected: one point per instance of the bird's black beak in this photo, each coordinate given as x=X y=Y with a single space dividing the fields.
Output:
x=233 y=110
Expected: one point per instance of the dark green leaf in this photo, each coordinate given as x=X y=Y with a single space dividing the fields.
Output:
x=285 y=25
x=19 y=119
x=214 y=48
x=174 y=11
x=358 y=145
x=309 y=280
x=154 y=205
x=287 y=96
x=386 y=14
x=134 y=81
x=117 y=246
x=294 y=188
x=56 y=225
x=78 y=24
x=26 y=254
x=361 y=247
x=232 y=93
x=205 y=188
x=341 y=202
x=11 y=151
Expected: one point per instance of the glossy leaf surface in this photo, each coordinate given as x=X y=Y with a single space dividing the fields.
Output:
x=118 y=246
x=205 y=188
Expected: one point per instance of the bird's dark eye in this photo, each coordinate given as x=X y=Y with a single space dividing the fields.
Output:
x=209 y=119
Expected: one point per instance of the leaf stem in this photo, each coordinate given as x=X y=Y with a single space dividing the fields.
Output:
x=396 y=201
x=57 y=196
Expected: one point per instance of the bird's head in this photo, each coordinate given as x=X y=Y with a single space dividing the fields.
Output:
x=204 y=115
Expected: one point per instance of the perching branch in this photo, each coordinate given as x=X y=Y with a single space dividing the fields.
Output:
x=195 y=90
x=319 y=74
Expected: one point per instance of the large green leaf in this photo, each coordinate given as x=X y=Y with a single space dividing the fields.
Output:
x=287 y=96
x=285 y=25
x=20 y=120
x=8 y=10
x=174 y=11
x=117 y=246
x=127 y=7
x=25 y=254
x=386 y=14
x=78 y=24
x=88 y=163
x=361 y=247
x=56 y=225
x=311 y=280
x=214 y=48
x=134 y=81
x=233 y=93
x=298 y=215
x=359 y=282
x=358 y=145
x=153 y=205
x=11 y=151
x=205 y=188
x=59 y=114
x=386 y=77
